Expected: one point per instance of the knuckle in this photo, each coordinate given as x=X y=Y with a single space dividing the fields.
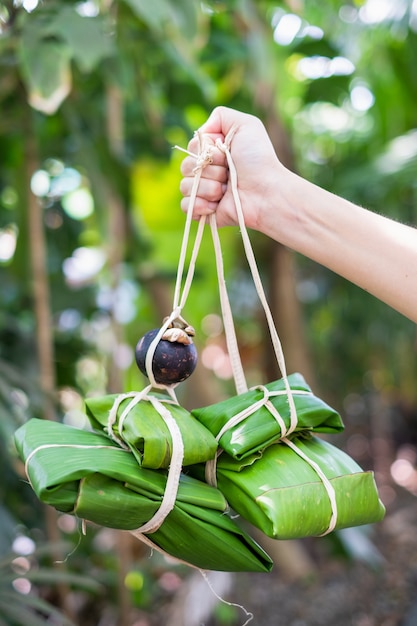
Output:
x=214 y=191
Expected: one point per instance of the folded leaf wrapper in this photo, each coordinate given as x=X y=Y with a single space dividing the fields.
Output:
x=146 y=433
x=90 y=476
x=260 y=428
x=280 y=493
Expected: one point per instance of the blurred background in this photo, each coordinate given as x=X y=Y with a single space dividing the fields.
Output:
x=94 y=95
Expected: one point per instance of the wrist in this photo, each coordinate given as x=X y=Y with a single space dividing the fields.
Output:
x=280 y=209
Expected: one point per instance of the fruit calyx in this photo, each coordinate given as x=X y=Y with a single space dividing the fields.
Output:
x=179 y=330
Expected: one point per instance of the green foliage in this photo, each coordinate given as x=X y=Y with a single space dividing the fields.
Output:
x=19 y=606
x=157 y=16
x=48 y=41
x=107 y=95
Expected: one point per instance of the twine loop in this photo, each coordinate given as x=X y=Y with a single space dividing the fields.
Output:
x=177 y=453
x=265 y=401
x=231 y=341
x=181 y=292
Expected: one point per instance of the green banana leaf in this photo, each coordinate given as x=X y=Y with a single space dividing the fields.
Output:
x=146 y=433
x=88 y=475
x=282 y=495
x=260 y=428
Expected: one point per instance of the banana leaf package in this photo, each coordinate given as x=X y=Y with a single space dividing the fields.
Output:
x=89 y=475
x=133 y=420
x=276 y=474
x=299 y=488
x=170 y=477
x=250 y=421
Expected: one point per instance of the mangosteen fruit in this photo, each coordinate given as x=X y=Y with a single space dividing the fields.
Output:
x=175 y=356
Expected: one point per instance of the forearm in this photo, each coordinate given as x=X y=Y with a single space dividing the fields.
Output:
x=374 y=252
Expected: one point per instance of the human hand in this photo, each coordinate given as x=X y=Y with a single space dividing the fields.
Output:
x=300 y=215
x=256 y=163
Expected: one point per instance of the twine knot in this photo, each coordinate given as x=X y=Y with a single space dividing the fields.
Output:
x=177 y=455
x=205 y=154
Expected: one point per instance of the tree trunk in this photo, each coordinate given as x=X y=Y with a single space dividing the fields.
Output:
x=287 y=313
x=44 y=338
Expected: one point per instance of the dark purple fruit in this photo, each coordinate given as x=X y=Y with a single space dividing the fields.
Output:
x=173 y=361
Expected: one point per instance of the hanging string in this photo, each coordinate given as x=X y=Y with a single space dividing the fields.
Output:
x=229 y=327
x=179 y=300
x=225 y=148
x=326 y=482
x=174 y=472
x=247 y=613
x=114 y=426
x=210 y=470
x=265 y=401
x=203 y=159
x=177 y=453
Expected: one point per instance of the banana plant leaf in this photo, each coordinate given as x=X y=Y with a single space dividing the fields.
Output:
x=88 y=475
x=146 y=433
x=259 y=429
x=281 y=494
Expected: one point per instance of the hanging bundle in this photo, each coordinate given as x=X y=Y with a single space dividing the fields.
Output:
x=133 y=420
x=260 y=416
x=254 y=452
x=299 y=488
x=90 y=476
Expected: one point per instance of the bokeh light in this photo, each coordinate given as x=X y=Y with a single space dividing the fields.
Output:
x=83 y=265
x=8 y=241
x=78 y=204
x=361 y=98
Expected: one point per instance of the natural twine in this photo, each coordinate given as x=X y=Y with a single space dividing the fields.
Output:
x=239 y=377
